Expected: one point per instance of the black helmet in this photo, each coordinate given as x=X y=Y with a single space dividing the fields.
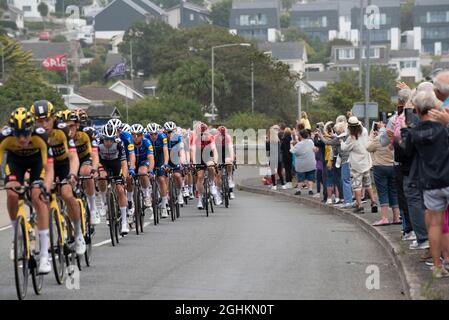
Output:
x=42 y=109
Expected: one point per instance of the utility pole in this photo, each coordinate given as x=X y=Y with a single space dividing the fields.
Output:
x=361 y=44
x=252 y=87
x=368 y=71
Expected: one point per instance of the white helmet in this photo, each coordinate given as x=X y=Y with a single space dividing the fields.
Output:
x=170 y=126
x=136 y=128
x=108 y=131
x=125 y=127
x=153 y=128
x=115 y=122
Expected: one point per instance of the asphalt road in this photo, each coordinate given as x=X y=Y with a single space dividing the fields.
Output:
x=260 y=248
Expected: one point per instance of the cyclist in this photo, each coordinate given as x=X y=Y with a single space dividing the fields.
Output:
x=113 y=162
x=188 y=177
x=177 y=157
x=26 y=149
x=161 y=159
x=143 y=150
x=225 y=148
x=87 y=149
x=66 y=163
x=127 y=140
x=203 y=151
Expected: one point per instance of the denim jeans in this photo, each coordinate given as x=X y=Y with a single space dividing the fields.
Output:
x=416 y=209
x=346 y=182
x=319 y=181
x=384 y=177
x=337 y=181
x=403 y=207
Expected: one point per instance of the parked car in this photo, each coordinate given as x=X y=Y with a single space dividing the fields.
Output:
x=44 y=36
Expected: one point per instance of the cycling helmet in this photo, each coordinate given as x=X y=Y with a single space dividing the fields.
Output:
x=125 y=127
x=21 y=119
x=59 y=115
x=170 y=126
x=82 y=115
x=115 y=122
x=137 y=128
x=69 y=115
x=203 y=127
x=153 y=128
x=42 y=109
x=108 y=131
x=222 y=130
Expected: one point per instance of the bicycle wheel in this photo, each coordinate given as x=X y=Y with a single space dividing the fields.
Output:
x=206 y=196
x=69 y=250
x=142 y=210
x=155 y=201
x=117 y=219
x=57 y=246
x=111 y=218
x=173 y=199
x=137 y=208
x=37 y=279
x=20 y=258
x=225 y=188
x=211 y=202
x=87 y=235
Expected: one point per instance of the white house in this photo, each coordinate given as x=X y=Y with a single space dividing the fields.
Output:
x=29 y=7
x=408 y=64
x=291 y=53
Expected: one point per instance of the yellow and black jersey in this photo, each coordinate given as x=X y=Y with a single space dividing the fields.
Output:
x=37 y=146
x=60 y=142
x=84 y=144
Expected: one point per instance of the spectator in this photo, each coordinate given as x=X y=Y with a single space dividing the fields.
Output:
x=360 y=163
x=402 y=165
x=441 y=87
x=329 y=160
x=304 y=151
x=430 y=140
x=384 y=178
x=321 y=167
x=342 y=169
x=272 y=147
x=305 y=121
x=286 y=158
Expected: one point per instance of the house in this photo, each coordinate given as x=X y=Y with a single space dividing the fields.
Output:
x=42 y=50
x=327 y=20
x=387 y=22
x=187 y=15
x=408 y=64
x=431 y=27
x=346 y=57
x=29 y=7
x=291 y=53
x=255 y=19
x=318 y=20
x=136 y=89
x=119 y=15
x=14 y=15
x=99 y=95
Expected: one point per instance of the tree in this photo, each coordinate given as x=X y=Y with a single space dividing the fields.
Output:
x=93 y=72
x=407 y=15
x=285 y=20
x=248 y=120
x=181 y=110
x=221 y=12
x=43 y=10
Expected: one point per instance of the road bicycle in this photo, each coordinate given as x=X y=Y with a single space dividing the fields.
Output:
x=113 y=215
x=173 y=192
x=225 y=192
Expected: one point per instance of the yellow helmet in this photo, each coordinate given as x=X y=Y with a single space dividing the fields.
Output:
x=21 y=119
x=42 y=109
x=59 y=115
x=69 y=115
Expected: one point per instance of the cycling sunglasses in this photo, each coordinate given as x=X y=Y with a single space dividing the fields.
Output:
x=110 y=139
x=22 y=133
x=137 y=134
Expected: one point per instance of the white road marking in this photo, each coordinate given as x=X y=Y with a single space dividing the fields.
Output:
x=6 y=228
x=102 y=243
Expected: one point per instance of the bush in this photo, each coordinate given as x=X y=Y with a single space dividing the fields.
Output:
x=8 y=24
x=59 y=38
x=248 y=120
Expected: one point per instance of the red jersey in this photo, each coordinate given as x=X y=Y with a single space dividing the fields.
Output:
x=202 y=140
x=222 y=141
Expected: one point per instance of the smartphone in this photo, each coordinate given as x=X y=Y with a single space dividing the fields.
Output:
x=383 y=117
x=408 y=115
x=374 y=126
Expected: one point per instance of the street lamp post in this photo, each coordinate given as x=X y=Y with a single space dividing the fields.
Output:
x=212 y=104
x=252 y=87
x=300 y=76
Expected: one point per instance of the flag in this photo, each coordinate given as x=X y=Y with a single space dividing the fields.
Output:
x=116 y=70
x=58 y=62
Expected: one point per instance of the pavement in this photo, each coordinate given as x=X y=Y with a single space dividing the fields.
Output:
x=415 y=276
x=262 y=247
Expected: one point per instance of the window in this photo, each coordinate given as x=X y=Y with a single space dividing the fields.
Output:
x=374 y=53
x=408 y=64
x=252 y=19
x=437 y=16
x=192 y=17
x=307 y=22
x=258 y=34
x=346 y=54
x=379 y=35
x=26 y=8
x=436 y=33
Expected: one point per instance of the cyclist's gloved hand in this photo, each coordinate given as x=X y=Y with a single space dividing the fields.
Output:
x=165 y=166
x=151 y=173
x=179 y=167
x=132 y=172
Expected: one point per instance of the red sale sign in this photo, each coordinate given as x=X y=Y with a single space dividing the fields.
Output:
x=58 y=62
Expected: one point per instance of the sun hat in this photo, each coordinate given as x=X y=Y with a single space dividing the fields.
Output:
x=353 y=122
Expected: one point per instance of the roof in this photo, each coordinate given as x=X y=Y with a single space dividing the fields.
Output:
x=344 y=7
x=404 y=53
x=314 y=6
x=98 y=94
x=284 y=50
x=102 y=111
x=146 y=83
x=141 y=6
x=14 y=10
x=191 y=6
x=113 y=59
x=327 y=76
x=255 y=4
x=430 y=2
x=42 y=50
